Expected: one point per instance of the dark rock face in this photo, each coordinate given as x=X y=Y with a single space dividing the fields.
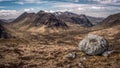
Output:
x=84 y=22
x=93 y=45
x=3 y=33
x=49 y=19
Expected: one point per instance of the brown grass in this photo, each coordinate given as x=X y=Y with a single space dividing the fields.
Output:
x=48 y=50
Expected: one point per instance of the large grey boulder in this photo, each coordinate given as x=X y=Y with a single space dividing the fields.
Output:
x=93 y=45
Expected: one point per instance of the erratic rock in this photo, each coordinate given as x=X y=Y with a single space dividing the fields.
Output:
x=93 y=45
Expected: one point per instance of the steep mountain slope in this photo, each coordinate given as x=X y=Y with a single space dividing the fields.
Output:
x=48 y=19
x=111 y=20
x=23 y=20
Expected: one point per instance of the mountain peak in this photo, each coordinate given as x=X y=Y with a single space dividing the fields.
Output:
x=41 y=11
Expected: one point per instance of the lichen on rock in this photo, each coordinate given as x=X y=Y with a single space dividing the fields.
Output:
x=93 y=45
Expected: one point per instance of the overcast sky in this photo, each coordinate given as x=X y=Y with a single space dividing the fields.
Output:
x=96 y=8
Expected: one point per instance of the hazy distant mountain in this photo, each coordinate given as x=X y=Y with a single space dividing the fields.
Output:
x=10 y=20
x=7 y=21
x=95 y=20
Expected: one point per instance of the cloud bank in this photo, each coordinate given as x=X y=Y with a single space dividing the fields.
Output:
x=9 y=14
x=96 y=8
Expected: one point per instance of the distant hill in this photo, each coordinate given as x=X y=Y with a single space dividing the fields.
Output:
x=95 y=20
x=111 y=20
x=10 y=20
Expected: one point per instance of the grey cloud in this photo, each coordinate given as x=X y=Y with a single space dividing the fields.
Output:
x=7 y=14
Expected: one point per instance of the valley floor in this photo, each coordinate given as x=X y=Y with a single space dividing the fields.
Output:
x=49 y=50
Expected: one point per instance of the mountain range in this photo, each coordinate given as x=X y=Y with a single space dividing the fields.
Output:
x=57 y=19
x=44 y=21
